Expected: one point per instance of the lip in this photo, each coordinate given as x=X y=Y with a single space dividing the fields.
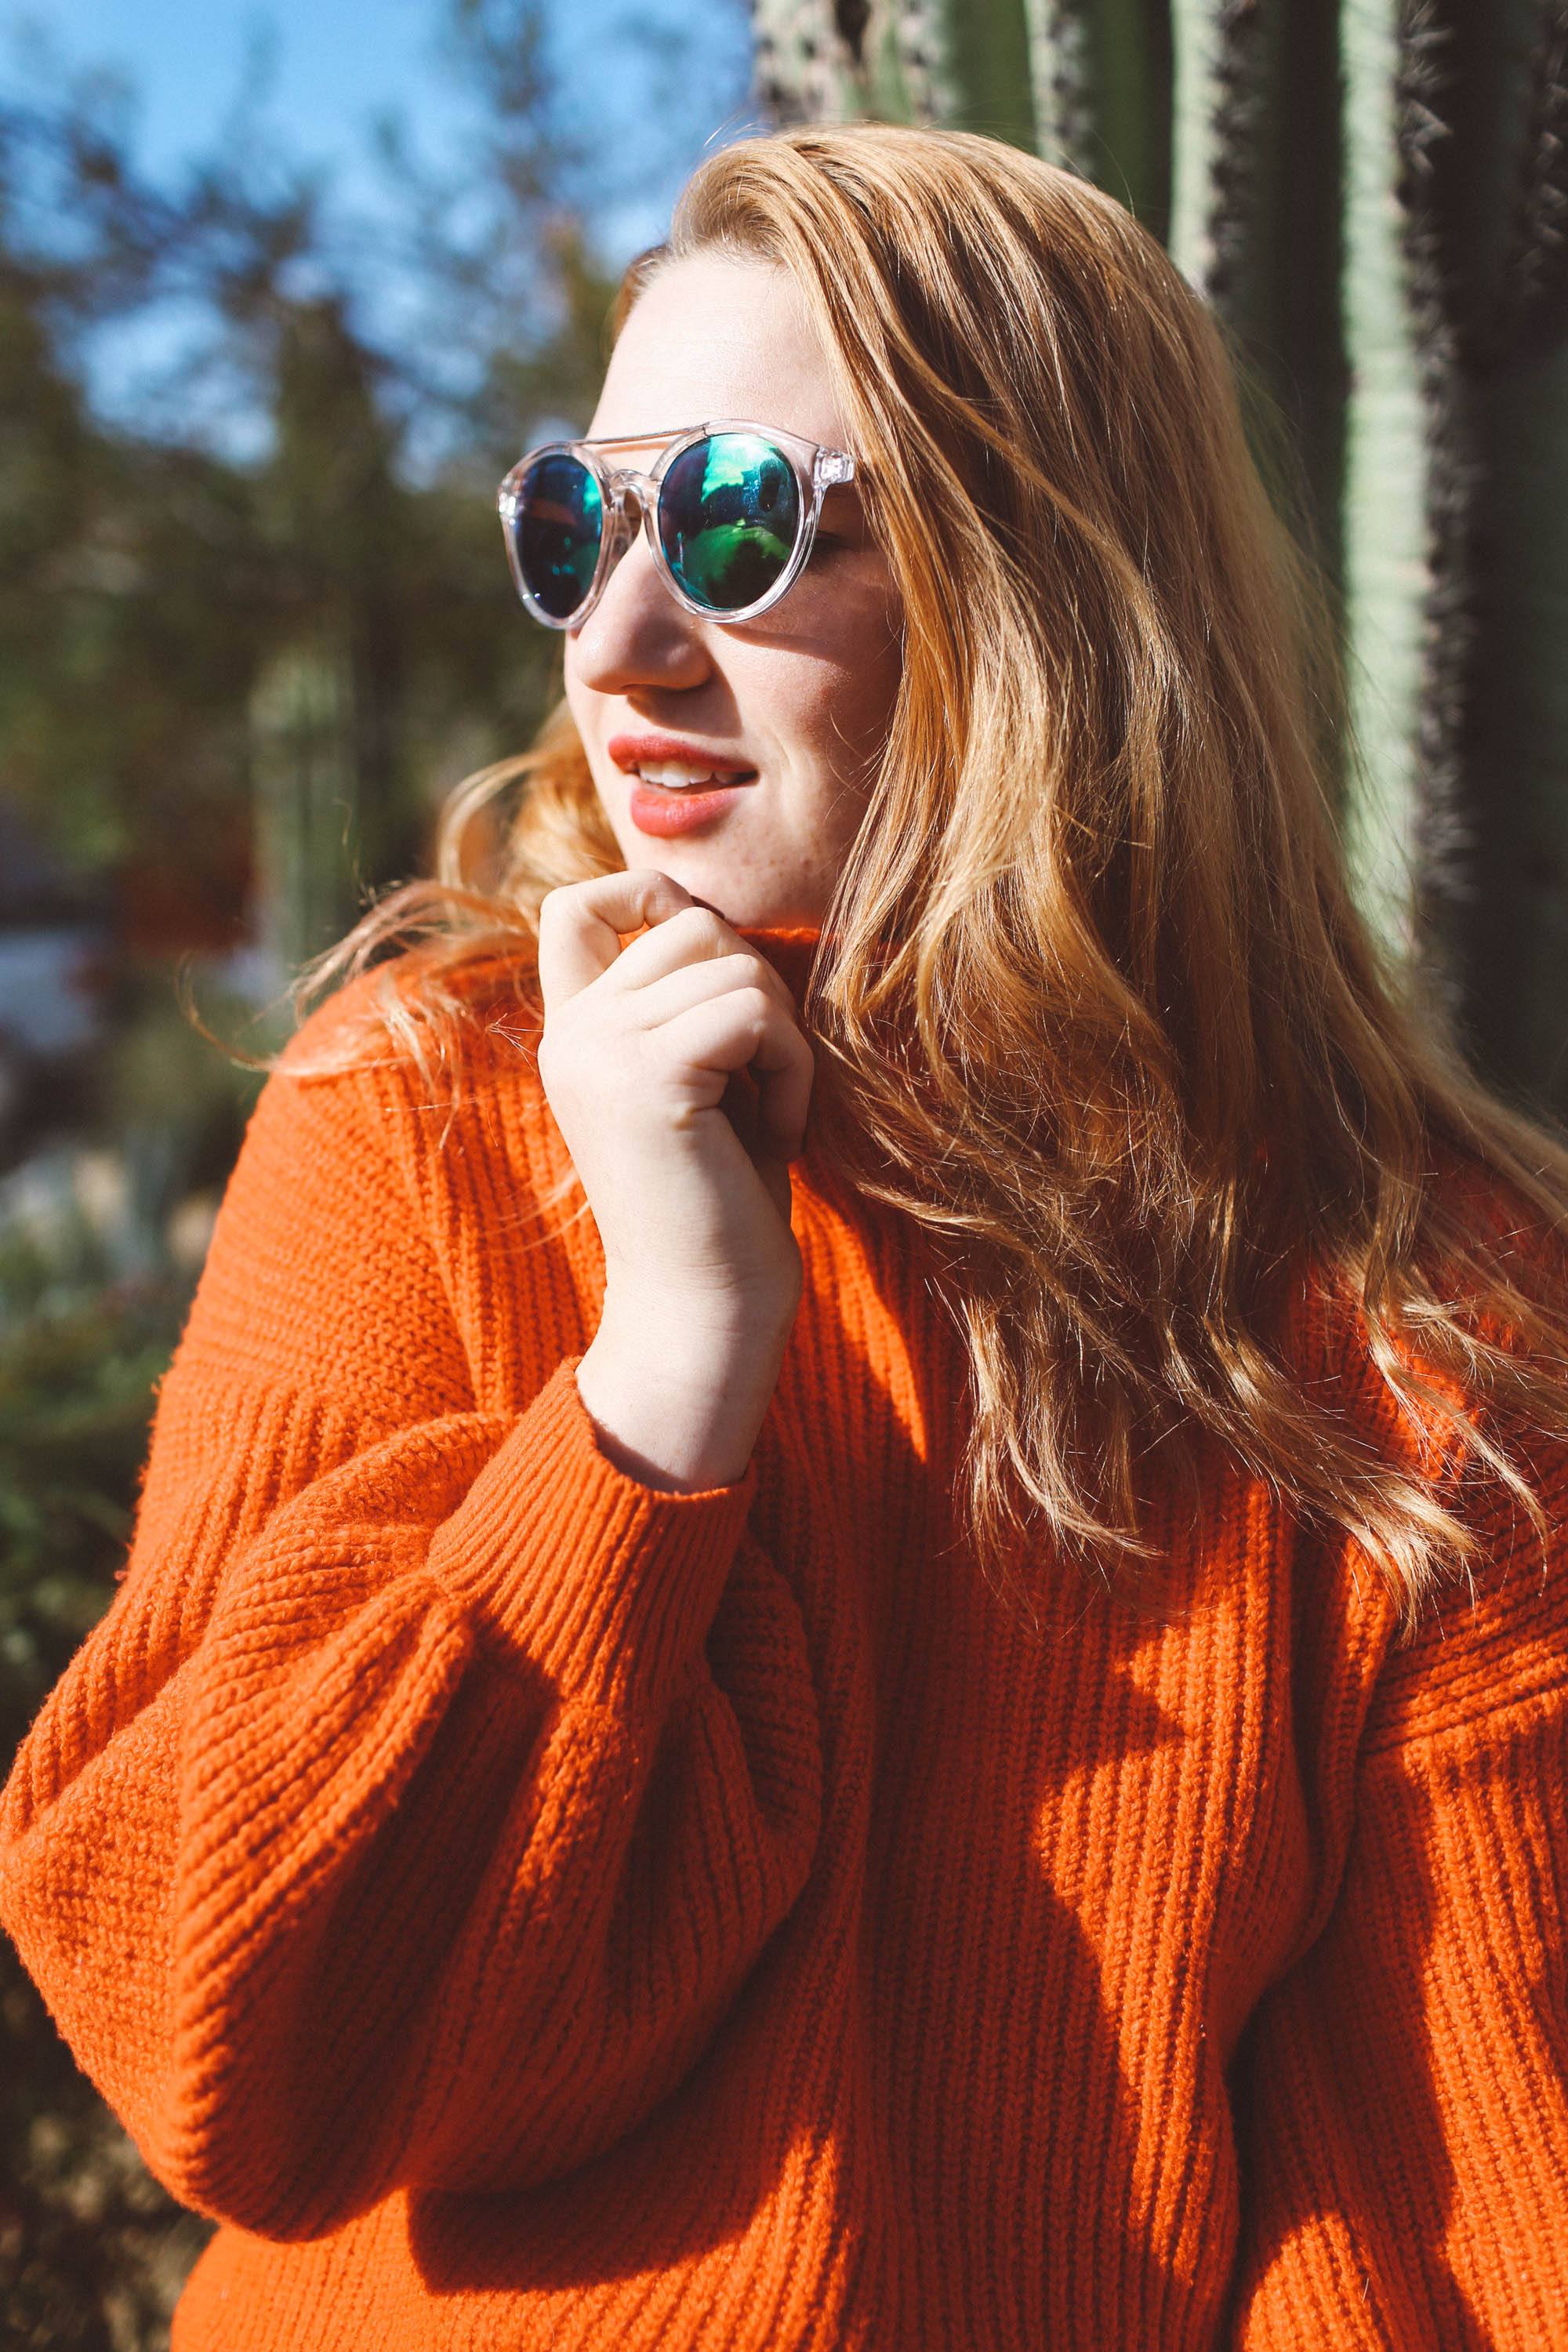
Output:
x=655 y=809
x=629 y=751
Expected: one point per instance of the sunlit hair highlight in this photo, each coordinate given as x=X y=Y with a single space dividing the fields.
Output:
x=1094 y=1007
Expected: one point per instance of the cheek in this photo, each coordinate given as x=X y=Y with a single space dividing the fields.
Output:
x=870 y=669
x=847 y=737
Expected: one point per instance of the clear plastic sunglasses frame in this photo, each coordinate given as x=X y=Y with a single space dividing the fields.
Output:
x=817 y=470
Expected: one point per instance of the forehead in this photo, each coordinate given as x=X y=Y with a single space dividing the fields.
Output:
x=713 y=336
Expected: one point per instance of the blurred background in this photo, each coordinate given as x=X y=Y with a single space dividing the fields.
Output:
x=284 y=292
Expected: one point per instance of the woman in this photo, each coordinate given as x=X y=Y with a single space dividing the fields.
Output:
x=940 y=1726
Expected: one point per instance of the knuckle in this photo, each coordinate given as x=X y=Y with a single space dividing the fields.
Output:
x=699 y=923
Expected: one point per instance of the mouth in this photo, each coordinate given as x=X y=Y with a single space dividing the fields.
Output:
x=667 y=764
x=669 y=776
x=665 y=810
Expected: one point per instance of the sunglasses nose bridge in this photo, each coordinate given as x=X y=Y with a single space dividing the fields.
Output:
x=628 y=487
x=632 y=499
x=633 y=502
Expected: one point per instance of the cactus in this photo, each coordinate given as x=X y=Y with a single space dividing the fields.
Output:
x=307 y=803
x=1383 y=508
x=1373 y=196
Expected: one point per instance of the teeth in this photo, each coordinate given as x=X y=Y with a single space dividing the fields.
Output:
x=678 y=778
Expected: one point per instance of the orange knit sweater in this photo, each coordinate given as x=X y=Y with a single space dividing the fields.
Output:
x=530 y=1909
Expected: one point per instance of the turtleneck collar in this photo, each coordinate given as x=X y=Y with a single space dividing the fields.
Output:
x=790 y=948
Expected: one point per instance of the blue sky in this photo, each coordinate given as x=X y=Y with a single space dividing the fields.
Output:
x=338 y=62
x=335 y=65
x=187 y=59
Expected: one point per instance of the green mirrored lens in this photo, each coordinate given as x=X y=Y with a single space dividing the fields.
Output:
x=728 y=515
x=556 y=530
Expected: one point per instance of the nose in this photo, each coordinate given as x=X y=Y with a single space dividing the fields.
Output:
x=636 y=632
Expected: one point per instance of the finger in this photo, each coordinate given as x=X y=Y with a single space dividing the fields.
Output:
x=693 y=983
x=746 y=1029
x=692 y=935
x=686 y=936
x=739 y=1104
x=784 y=1069
x=686 y=940
x=582 y=924
x=740 y=1107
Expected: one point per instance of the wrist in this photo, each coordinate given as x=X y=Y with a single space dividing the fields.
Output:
x=678 y=1390
x=683 y=1320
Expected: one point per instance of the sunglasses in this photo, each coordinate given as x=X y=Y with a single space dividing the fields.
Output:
x=729 y=511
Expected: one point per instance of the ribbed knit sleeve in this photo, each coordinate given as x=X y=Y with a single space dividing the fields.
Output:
x=1402 y=2092
x=419 y=1807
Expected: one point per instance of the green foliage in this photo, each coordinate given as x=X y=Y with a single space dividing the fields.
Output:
x=101 y=1239
x=236 y=677
x=153 y=583
x=92 y=2251
x=76 y=1377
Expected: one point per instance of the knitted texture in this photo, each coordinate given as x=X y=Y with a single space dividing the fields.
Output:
x=529 y=1909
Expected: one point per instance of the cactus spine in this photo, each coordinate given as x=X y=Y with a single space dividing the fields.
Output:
x=1385 y=576
x=1372 y=194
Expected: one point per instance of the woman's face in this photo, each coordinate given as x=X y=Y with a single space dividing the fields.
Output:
x=803 y=694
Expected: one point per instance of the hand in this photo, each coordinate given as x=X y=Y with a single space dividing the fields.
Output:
x=642 y=1060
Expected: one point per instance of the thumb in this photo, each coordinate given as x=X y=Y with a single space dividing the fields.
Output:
x=741 y=1104
x=776 y=1176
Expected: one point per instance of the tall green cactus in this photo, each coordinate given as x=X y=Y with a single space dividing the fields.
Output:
x=1372 y=194
x=1387 y=463
x=307 y=804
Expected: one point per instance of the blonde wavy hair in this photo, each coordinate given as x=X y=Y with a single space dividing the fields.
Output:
x=1093 y=1004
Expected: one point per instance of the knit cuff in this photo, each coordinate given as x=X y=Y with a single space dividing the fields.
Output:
x=606 y=1585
